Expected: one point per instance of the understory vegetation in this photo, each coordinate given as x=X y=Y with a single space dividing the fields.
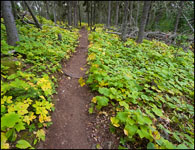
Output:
x=149 y=86
x=28 y=81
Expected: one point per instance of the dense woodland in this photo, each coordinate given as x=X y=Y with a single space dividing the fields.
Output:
x=140 y=67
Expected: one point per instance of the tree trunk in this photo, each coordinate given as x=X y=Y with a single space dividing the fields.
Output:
x=14 y=10
x=94 y=16
x=124 y=24
x=100 y=19
x=130 y=13
x=12 y=34
x=75 y=14
x=109 y=13
x=54 y=11
x=79 y=13
x=47 y=10
x=143 y=21
x=33 y=16
x=69 y=13
x=117 y=10
x=178 y=16
x=137 y=14
x=91 y=15
x=88 y=12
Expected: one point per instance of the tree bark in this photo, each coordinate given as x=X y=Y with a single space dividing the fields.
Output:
x=88 y=12
x=124 y=24
x=75 y=14
x=143 y=21
x=117 y=10
x=94 y=15
x=91 y=15
x=47 y=10
x=130 y=13
x=109 y=13
x=33 y=16
x=100 y=16
x=14 y=10
x=149 y=15
x=69 y=13
x=54 y=11
x=79 y=13
x=137 y=14
x=178 y=16
x=12 y=34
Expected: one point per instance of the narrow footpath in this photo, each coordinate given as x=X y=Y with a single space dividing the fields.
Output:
x=71 y=117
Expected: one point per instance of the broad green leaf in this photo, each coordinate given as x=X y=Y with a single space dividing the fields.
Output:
x=90 y=110
x=176 y=137
x=102 y=101
x=23 y=144
x=3 y=108
x=130 y=130
x=168 y=144
x=130 y=121
x=150 y=145
x=10 y=119
x=122 y=116
x=20 y=126
x=144 y=132
x=182 y=146
x=157 y=111
x=41 y=135
x=123 y=103
x=104 y=91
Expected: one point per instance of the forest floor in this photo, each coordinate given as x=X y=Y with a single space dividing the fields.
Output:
x=73 y=127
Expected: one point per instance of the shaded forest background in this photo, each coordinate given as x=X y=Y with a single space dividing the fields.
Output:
x=123 y=17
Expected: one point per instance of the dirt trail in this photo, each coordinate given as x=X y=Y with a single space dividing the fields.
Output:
x=70 y=117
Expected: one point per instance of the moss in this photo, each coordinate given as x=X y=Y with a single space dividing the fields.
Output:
x=11 y=63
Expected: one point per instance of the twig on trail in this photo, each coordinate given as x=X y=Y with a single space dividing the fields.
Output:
x=72 y=76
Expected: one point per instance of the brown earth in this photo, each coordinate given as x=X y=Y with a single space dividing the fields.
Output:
x=73 y=127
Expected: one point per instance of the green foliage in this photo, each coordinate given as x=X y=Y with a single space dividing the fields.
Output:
x=148 y=86
x=23 y=144
x=27 y=83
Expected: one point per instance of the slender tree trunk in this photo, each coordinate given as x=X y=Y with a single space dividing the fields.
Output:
x=178 y=16
x=79 y=13
x=143 y=21
x=47 y=10
x=100 y=13
x=33 y=16
x=12 y=34
x=75 y=14
x=124 y=24
x=69 y=13
x=88 y=12
x=109 y=13
x=117 y=10
x=54 y=11
x=137 y=15
x=94 y=15
x=149 y=15
x=130 y=13
x=91 y=14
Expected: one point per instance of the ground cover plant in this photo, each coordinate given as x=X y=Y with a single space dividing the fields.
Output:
x=28 y=83
x=150 y=86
